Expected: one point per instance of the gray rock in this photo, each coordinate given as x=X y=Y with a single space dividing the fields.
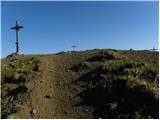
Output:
x=51 y=86
x=49 y=96
x=16 y=76
x=42 y=80
x=34 y=111
x=30 y=62
x=13 y=64
x=112 y=105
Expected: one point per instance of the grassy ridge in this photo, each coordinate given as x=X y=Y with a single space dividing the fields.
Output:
x=98 y=84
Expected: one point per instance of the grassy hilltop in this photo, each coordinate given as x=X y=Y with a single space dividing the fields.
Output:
x=87 y=84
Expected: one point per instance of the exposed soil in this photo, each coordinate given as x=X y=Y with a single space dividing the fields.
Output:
x=87 y=84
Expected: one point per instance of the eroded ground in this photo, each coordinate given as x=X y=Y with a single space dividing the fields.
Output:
x=88 y=84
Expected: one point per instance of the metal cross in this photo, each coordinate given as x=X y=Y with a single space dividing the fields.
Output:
x=153 y=49
x=17 y=27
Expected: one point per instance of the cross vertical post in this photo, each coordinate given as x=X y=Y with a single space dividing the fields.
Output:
x=16 y=28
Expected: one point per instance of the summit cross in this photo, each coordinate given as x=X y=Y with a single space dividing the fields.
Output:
x=17 y=27
x=153 y=49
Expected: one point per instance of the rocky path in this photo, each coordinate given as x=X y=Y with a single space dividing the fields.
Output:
x=42 y=95
x=55 y=95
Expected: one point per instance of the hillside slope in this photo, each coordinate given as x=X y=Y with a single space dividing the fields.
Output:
x=87 y=84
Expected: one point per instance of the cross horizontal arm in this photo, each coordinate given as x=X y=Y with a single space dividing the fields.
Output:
x=13 y=27
x=20 y=26
x=17 y=27
x=74 y=46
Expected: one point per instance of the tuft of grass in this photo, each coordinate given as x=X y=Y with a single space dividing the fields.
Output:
x=104 y=55
x=12 y=116
x=13 y=77
x=22 y=67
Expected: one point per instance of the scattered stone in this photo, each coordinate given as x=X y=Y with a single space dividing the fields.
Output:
x=17 y=70
x=13 y=64
x=14 y=59
x=34 y=111
x=30 y=62
x=42 y=80
x=136 y=76
x=86 y=110
x=51 y=86
x=136 y=115
x=22 y=70
x=37 y=73
x=11 y=99
x=16 y=76
x=23 y=66
x=48 y=96
x=112 y=105
x=50 y=70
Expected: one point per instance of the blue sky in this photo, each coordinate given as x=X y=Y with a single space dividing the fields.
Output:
x=50 y=27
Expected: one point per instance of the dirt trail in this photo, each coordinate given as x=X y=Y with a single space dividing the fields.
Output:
x=42 y=103
x=58 y=84
x=41 y=96
x=52 y=94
